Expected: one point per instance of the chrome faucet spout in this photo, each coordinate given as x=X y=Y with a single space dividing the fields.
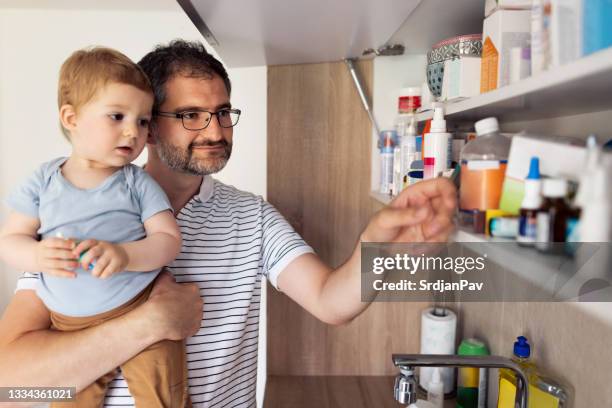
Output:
x=407 y=362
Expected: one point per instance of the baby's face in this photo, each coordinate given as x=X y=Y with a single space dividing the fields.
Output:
x=112 y=128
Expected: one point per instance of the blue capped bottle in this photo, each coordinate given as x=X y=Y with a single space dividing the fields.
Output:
x=532 y=200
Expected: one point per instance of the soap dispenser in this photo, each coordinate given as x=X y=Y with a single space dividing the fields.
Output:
x=543 y=391
x=507 y=379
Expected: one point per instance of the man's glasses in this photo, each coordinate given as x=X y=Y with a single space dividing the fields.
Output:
x=200 y=119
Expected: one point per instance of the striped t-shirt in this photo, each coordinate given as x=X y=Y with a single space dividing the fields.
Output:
x=230 y=240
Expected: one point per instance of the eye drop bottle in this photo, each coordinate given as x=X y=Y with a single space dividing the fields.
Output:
x=532 y=201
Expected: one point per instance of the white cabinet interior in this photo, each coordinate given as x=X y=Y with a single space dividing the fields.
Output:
x=279 y=32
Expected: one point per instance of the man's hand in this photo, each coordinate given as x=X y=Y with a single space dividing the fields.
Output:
x=107 y=258
x=174 y=310
x=421 y=213
x=31 y=354
x=55 y=257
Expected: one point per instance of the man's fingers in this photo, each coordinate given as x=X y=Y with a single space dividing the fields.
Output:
x=444 y=204
x=165 y=277
x=402 y=217
x=428 y=189
x=440 y=186
x=437 y=225
x=193 y=287
x=442 y=235
x=163 y=280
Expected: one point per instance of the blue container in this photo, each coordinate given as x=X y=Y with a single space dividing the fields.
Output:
x=597 y=27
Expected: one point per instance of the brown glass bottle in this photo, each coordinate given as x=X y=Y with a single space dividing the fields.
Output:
x=552 y=216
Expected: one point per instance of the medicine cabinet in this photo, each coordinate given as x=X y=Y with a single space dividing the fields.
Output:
x=570 y=100
x=559 y=101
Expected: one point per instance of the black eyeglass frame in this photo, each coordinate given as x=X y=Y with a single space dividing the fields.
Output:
x=181 y=115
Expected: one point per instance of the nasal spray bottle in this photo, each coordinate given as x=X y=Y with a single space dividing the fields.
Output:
x=406 y=128
x=386 y=161
x=437 y=145
x=409 y=152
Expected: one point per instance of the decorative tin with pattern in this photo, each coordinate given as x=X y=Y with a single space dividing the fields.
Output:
x=457 y=47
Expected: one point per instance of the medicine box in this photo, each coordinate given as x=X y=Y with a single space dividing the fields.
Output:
x=556 y=160
x=566 y=31
x=461 y=78
x=492 y=5
x=502 y=31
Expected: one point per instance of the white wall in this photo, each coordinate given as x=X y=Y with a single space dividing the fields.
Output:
x=34 y=41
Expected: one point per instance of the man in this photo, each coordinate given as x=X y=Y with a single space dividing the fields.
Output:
x=230 y=240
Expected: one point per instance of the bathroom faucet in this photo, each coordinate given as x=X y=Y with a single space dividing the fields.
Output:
x=405 y=383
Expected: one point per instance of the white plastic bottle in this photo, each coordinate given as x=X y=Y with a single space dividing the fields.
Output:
x=540 y=36
x=405 y=126
x=595 y=224
x=386 y=168
x=435 y=390
x=483 y=167
x=407 y=105
x=408 y=146
x=437 y=146
x=591 y=163
x=398 y=183
x=593 y=198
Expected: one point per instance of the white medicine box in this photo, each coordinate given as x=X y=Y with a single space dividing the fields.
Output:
x=492 y=5
x=461 y=78
x=502 y=31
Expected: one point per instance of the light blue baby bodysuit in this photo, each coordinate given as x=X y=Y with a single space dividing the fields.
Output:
x=113 y=211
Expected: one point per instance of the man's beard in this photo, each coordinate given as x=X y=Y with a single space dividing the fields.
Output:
x=185 y=162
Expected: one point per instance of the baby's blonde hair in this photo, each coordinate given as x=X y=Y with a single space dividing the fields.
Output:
x=89 y=70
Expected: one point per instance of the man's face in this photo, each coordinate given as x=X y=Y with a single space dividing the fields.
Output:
x=197 y=152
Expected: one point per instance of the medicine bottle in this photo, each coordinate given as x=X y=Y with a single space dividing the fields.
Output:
x=553 y=215
x=483 y=167
x=530 y=206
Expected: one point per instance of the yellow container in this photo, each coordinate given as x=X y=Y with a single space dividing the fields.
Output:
x=543 y=392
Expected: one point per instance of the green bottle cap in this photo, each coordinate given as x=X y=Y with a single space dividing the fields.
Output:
x=473 y=347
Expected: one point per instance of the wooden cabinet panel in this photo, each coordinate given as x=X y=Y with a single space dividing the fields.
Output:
x=329 y=392
x=319 y=178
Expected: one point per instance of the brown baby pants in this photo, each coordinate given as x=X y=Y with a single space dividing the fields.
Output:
x=156 y=377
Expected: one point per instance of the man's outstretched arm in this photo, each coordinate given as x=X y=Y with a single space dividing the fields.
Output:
x=33 y=355
x=421 y=213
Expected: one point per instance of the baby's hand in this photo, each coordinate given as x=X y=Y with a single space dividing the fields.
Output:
x=107 y=258
x=55 y=257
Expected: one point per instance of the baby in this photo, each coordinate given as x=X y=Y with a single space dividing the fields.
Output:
x=97 y=227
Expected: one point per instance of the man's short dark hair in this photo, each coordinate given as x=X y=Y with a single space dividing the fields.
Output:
x=180 y=57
